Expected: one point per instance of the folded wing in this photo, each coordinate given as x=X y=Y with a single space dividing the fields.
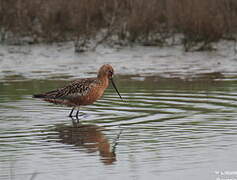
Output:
x=77 y=88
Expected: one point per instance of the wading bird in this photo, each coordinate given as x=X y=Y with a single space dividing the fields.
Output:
x=82 y=91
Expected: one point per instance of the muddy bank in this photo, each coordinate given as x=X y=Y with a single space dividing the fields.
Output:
x=61 y=62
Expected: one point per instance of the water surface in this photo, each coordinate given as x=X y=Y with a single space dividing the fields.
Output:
x=178 y=121
x=170 y=128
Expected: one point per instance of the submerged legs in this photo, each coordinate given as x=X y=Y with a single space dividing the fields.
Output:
x=77 y=114
x=70 y=115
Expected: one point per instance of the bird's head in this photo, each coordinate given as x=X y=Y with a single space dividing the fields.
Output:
x=107 y=71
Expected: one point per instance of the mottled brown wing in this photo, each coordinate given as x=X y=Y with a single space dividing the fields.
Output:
x=79 y=87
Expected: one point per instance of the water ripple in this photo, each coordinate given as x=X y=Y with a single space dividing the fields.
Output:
x=179 y=129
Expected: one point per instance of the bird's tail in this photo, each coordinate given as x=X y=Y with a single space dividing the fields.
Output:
x=39 y=96
x=50 y=94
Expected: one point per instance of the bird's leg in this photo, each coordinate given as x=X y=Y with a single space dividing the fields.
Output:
x=70 y=115
x=77 y=114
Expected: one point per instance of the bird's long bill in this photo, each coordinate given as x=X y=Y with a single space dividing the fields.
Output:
x=115 y=88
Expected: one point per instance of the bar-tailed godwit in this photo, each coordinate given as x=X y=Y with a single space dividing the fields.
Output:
x=82 y=91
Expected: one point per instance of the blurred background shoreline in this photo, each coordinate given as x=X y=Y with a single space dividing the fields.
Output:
x=194 y=24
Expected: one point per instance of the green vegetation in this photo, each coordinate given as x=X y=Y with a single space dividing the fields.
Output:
x=155 y=22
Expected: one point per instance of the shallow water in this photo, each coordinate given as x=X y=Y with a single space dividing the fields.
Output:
x=176 y=127
x=170 y=128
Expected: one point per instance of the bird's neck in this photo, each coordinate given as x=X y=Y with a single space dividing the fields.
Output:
x=104 y=80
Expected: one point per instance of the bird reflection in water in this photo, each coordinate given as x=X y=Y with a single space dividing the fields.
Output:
x=89 y=137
